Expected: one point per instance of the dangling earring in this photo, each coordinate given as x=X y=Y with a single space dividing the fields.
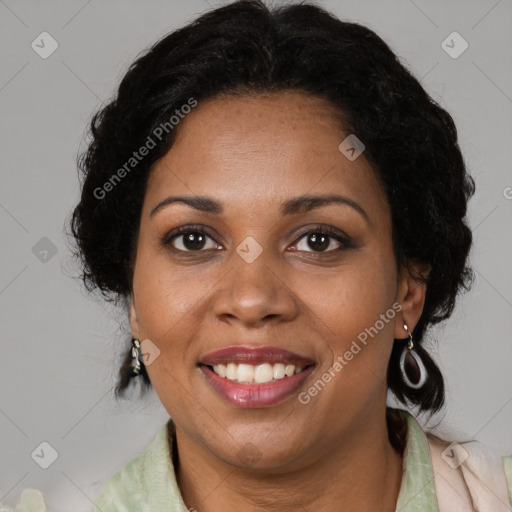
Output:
x=413 y=370
x=136 y=355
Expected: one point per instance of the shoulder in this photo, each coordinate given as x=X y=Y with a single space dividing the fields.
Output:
x=466 y=475
x=133 y=486
x=123 y=491
x=473 y=472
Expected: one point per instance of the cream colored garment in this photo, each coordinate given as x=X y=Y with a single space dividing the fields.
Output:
x=468 y=477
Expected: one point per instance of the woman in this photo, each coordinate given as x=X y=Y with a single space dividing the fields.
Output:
x=283 y=207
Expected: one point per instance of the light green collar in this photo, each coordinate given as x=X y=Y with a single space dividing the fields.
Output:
x=159 y=475
x=417 y=492
x=148 y=482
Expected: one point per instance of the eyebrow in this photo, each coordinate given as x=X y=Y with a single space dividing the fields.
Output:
x=301 y=204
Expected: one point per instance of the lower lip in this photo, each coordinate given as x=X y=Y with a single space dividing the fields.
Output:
x=256 y=395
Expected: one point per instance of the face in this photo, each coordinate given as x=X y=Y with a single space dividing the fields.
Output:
x=259 y=268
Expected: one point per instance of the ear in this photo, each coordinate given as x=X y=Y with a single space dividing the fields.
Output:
x=134 y=323
x=411 y=295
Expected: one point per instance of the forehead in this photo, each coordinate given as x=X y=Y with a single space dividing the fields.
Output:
x=262 y=149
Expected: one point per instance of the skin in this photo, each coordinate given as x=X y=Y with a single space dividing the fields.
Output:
x=251 y=153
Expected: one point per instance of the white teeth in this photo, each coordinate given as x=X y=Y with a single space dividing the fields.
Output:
x=221 y=370
x=278 y=371
x=230 y=371
x=289 y=370
x=263 y=373
x=245 y=373
x=256 y=374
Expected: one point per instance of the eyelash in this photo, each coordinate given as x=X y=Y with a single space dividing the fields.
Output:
x=345 y=242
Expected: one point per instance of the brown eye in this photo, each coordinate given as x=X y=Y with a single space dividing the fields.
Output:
x=321 y=240
x=187 y=239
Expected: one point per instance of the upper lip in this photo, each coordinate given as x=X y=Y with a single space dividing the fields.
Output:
x=255 y=355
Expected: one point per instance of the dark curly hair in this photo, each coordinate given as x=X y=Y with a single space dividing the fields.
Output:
x=245 y=48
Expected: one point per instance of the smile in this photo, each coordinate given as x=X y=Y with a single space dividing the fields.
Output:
x=256 y=374
x=254 y=394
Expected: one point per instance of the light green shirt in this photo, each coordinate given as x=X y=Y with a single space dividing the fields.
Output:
x=148 y=482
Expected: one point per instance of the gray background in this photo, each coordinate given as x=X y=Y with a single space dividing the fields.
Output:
x=60 y=348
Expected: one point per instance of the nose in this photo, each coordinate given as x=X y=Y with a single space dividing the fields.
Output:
x=255 y=293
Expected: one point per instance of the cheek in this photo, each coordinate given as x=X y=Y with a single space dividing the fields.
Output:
x=167 y=305
x=356 y=311
x=167 y=314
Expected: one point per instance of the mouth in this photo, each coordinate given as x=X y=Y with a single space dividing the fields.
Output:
x=264 y=373
x=255 y=377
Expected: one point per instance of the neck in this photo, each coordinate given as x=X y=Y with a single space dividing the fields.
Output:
x=364 y=474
